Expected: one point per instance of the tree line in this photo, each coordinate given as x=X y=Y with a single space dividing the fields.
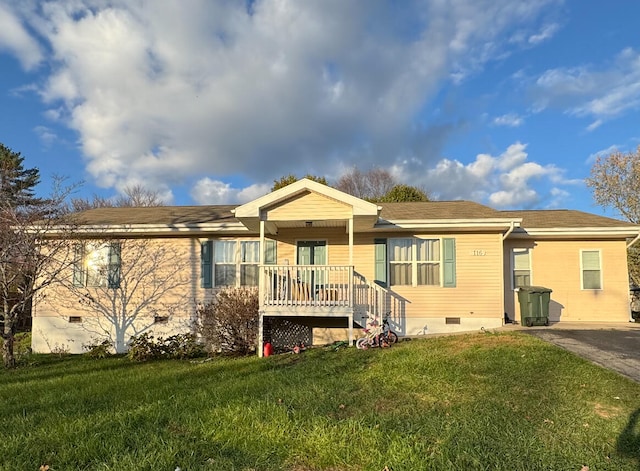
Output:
x=376 y=185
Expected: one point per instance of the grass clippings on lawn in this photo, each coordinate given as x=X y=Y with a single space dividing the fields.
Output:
x=474 y=402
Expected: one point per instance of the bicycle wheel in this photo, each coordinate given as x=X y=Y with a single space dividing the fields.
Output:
x=363 y=343
x=392 y=337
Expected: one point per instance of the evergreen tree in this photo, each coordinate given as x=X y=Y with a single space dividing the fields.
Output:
x=17 y=183
x=401 y=193
x=289 y=179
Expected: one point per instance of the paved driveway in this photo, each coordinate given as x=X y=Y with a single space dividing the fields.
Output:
x=616 y=349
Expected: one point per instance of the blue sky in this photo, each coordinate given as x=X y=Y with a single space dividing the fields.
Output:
x=503 y=102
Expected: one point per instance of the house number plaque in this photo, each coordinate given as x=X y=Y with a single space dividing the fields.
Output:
x=479 y=253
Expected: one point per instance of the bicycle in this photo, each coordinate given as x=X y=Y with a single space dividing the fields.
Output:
x=388 y=335
x=376 y=335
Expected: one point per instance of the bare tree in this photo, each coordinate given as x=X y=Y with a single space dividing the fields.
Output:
x=34 y=250
x=615 y=182
x=133 y=196
x=125 y=285
x=138 y=195
x=371 y=185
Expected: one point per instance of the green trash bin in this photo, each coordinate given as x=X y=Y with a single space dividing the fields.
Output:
x=534 y=305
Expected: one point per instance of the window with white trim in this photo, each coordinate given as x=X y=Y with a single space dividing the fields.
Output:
x=235 y=262
x=414 y=262
x=249 y=260
x=97 y=264
x=521 y=267
x=591 y=271
x=229 y=263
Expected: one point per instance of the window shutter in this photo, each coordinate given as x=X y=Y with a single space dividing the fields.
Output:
x=449 y=263
x=380 y=261
x=78 y=265
x=206 y=259
x=270 y=252
x=114 y=265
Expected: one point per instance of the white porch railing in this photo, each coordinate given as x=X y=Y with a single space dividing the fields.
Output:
x=307 y=285
x=370 y=299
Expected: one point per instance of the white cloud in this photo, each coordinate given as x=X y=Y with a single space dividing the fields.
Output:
x=595 y=125
x=600 y=92
x=15 y=38
x=46 y=135
x=162 y=93
x=511 y=120
x=612 y=148
x=503 y=181
x=545 y=33
x=208 y=191
x=558 y=196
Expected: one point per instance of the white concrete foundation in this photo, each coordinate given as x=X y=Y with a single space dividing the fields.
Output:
x=57 y=334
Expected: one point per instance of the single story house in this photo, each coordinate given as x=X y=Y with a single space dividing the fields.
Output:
x=324 y=261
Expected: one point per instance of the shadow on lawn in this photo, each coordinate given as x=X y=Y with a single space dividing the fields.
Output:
x=45 y=367
x=629 y=440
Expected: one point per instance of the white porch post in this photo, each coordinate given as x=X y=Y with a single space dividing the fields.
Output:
x=351 y=303
x=351 y=241
x=260 y=333
x=261 y=292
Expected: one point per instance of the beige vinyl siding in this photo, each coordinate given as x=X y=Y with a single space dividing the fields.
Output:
x=308 y=206
x=57 y=302
x=478 y=291
x=556 y=265
x=337 y=244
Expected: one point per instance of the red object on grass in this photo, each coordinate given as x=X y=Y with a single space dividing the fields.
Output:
x=267 y=350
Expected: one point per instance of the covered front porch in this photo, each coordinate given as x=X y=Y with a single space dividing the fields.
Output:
x=302 y=281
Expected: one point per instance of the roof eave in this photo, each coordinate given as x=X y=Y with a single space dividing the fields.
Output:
x=498 y=224
x=610 y=232
x=156 y=229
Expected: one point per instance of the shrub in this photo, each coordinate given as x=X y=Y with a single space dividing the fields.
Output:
x=229 y=323
x=99 y=350
x=183 y=346
x=143 y=347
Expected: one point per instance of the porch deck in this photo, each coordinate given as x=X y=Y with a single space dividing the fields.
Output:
x=320 y=290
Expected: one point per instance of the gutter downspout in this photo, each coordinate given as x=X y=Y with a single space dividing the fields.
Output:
x=629 y=245
x=512 y=228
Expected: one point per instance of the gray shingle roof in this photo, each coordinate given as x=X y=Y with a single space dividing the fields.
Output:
x=438 y=210
x=157 y=215
x=431 y=210
x=566 y=218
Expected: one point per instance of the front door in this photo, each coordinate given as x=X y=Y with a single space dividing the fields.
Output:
x=312 y=252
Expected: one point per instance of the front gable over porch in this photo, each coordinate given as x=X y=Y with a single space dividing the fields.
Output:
x=307 y=203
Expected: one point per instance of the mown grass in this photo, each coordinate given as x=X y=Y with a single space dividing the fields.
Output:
x=472 y=402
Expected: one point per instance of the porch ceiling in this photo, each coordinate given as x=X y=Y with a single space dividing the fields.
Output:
x=314 y=223
x=360 y=223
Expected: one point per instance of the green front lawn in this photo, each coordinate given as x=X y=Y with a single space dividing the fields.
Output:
x=473 y=402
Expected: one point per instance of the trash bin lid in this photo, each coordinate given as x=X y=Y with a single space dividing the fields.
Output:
x=536 y=289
